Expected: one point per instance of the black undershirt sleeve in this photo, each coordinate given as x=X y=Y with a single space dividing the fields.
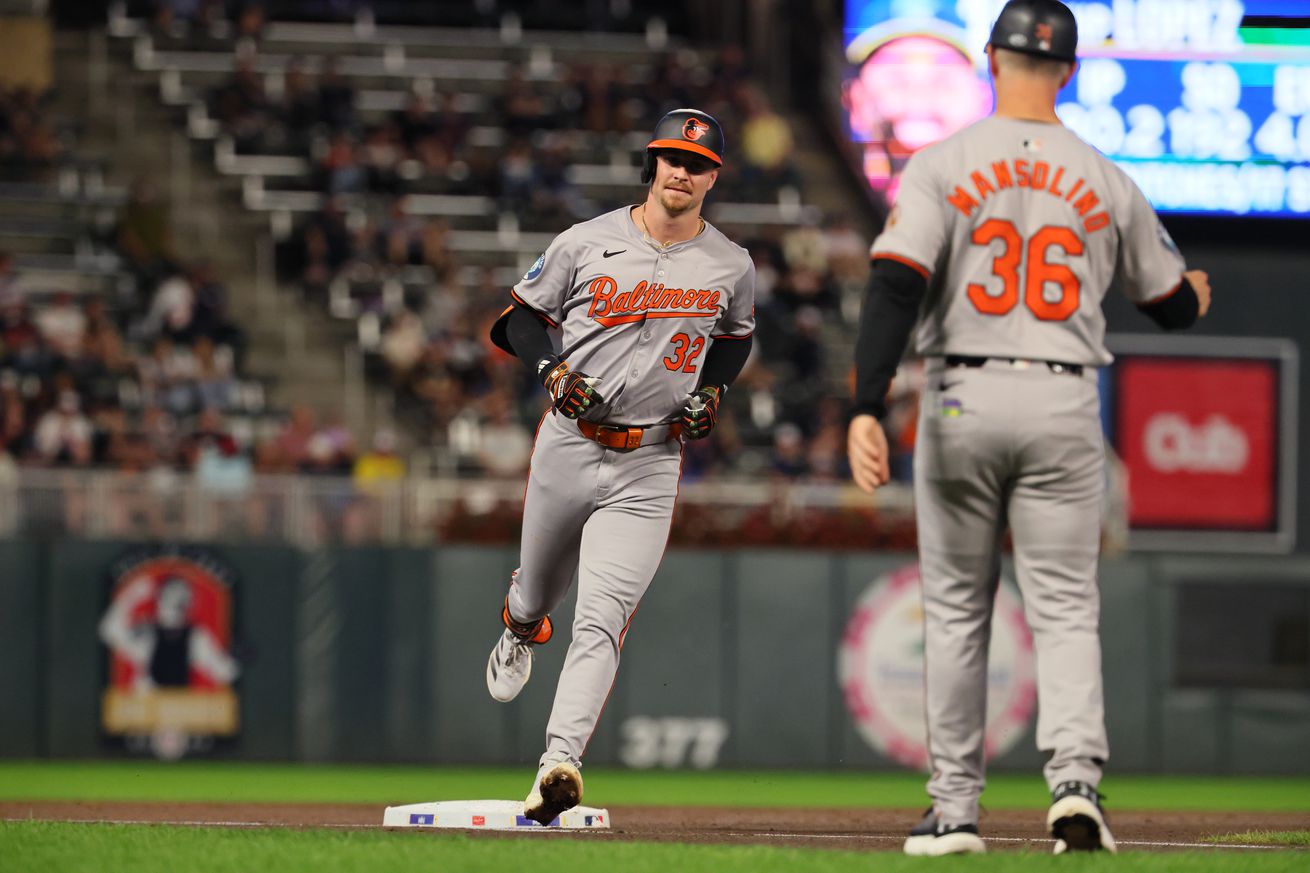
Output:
x=891 y=307
x=724 y=360
x=1176 y=310
x=526 y=332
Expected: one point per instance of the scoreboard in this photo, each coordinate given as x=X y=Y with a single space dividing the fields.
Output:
x=1204 y=103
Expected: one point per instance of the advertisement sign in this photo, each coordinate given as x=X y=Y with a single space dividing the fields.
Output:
x=167 y=629
x=1205 y=429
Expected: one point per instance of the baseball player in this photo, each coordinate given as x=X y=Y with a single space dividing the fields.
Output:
x=1002 y=244
x=654 y=310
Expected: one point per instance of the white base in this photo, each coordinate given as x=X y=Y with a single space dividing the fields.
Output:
x=488 y=815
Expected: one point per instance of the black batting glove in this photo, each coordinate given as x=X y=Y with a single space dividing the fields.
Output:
x=570 y=393
x=701 y=412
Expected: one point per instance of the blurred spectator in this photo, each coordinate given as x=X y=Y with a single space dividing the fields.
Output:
x=62 y=326
x=13 y=415
x=160 y=430
x=402 y=235
x=340 y=170
x=64 y=435
x=333 y=445
x=212 y=453
x=380 y=467
x=523 y=109
x=241 y=105
x=210 y=316
x=9 y=288
x=402 y=344
x=503 y=445
x=789 y=452
x=28 y=139
x=20 y=340
x=171 y=309
x=249 y=19
x=293 y=440
x=766 y=145
x=336 y=97
x=145 y=235
x=381 y=157
x=299 y=111
x=214 y=386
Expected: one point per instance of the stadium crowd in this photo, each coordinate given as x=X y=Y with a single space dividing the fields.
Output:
x=159 y=388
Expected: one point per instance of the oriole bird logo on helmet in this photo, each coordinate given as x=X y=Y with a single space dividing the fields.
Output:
x=685 y=130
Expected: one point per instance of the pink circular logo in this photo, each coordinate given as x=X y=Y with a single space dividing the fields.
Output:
x=880 y=668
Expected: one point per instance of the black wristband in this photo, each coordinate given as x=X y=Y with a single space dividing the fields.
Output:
x=1178 y=309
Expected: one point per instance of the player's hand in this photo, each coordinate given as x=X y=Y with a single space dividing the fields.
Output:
x=866 y=446
x=570 y=393
x=1200 y=283
x=701 y=412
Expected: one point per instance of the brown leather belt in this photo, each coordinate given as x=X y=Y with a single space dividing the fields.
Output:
x=625 y=438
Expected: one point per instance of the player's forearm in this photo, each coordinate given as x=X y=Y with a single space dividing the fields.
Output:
x=891 y=306
x=724 y=361
x=1176 y=310
x=527 y=334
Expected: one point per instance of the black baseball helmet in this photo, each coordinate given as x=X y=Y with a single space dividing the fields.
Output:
x=1045 y=28
x=689 y=130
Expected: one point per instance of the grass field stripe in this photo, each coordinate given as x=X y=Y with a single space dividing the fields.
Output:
x=882 y=837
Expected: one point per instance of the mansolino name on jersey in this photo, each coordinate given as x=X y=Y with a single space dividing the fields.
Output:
x=609 y=308
x=1036 y=176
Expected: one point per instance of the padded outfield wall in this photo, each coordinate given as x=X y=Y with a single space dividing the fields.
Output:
x=735 y=659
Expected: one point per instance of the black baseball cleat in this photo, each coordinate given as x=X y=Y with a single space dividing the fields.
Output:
x=931 y=837
x=1077 y=821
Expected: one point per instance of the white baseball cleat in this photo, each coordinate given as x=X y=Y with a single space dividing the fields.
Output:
x=1077 y=821
x=509 y=666
x=931 y=837
x=558 y=788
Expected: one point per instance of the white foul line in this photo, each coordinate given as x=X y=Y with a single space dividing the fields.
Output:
x=753 y=835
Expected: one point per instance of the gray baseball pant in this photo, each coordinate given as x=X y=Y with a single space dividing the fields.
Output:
x=606 y=515
x=1022 y=446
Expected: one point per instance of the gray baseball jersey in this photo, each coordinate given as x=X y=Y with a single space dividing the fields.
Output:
x=639 y=316
x=1020 y=228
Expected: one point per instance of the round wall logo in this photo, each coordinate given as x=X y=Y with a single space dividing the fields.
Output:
x=880 y=667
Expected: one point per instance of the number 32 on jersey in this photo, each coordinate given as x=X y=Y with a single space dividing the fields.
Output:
x=1037 y=271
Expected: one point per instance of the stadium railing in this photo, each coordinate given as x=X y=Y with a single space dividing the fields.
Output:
x=317 y=510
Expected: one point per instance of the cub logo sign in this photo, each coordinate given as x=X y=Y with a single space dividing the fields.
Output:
x=880 y=668
x=1199 y=439
x=167 y=629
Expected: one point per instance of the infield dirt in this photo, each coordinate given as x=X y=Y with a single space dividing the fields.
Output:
x=855 y=829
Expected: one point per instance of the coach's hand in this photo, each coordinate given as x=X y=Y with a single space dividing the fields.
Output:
x=1200 y=283
x=701 y=412
x=866 y=445
x=570 y=393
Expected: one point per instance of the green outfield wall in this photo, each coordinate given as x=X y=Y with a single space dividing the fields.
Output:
x=754 y=658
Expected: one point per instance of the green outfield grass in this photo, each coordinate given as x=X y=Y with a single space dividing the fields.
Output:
x=40 y=847
x=289 y=783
